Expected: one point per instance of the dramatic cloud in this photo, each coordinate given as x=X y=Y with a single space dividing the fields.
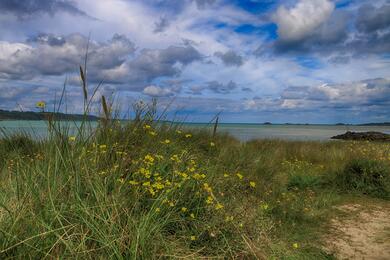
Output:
x=56 y=55
x=372 y=19
x=366 y=93
x=370 y=34
x=297 y=22
x=221 y=88
x=230 y=58
x=151 y=64
x=156 y=91
x=27 y=8
x=112 y=61
x=291 y=60
x=161 y=25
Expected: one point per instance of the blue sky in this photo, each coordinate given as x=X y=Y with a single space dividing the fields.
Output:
x=303 y=61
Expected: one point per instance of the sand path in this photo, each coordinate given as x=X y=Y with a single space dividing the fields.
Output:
x=360 y=232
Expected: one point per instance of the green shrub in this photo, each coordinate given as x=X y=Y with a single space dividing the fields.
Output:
x=366 y=176
x=304 y=181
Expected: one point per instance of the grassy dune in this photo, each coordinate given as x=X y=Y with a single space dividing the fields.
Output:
x=145 y=190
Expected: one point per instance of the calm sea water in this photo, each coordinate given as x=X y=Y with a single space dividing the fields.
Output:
x=243 y=132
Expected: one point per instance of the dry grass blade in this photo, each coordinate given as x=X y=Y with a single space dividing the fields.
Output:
x=84 y=82
x=105 y=108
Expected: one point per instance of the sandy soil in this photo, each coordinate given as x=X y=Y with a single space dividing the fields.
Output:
x=360 y=232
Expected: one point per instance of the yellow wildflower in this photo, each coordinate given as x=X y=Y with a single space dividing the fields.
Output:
x=225 y=175
x=152 y=133
x=72 y=138
x=239 y=175
x=178 y=131
x=102 y=146
x=133 y=182
x=264 y=206
x=157 y=209
x=151 y=191
x=146 y=184
x=188 y=135
x=193 y=238
x=209 y=200
x=252 y=184
x=218 y=206
x=295 y=245
x=212 y=144
x=167 y=141
x=184 y=209
x=147 y=127
x=149 y=158
x=229 y=218
x=207 y=187
x=192 y=215
x=158 y=186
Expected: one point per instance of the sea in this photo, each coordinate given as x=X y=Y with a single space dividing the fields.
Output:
x=243 y=132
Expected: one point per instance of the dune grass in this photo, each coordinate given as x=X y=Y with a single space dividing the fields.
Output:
x=146 y=190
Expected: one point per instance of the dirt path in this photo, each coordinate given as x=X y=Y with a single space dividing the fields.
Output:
x=360 y=232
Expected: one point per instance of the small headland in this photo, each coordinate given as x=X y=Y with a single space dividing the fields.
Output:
x=364 y=136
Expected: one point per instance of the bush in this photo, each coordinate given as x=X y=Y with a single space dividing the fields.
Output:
x=303 y=181
x=366 y=176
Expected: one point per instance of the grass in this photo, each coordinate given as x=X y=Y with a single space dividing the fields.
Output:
x=143 y=190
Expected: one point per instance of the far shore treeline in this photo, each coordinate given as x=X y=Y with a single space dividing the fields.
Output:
x=31 y=115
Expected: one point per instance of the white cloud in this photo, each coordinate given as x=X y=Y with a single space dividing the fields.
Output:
x=301 y=20
x=156 y=91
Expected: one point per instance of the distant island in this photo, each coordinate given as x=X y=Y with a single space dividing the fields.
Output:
x=31 y=115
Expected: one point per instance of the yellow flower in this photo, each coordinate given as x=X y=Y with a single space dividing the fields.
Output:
x=102 y=146
x=151 y=191
x=157 y=209
x=149 y=158
x=252 y=184
x=166 y=141
x=218 y=206
x=209 y=200
x=295 y=245
x=241 y=225
x=133 y=182
x=188 y=135
x=152 y=133
x=40 y=104
x=192 y=215
x=207 y=187
x=184 y=209
x=212 y=144
x=147 y=127
x=146 y=184
x=178 y=131
x=193 y=238
x=239 y=175
x=264 y=206
x=229 y=218
x=225 y=175
x=72 y=138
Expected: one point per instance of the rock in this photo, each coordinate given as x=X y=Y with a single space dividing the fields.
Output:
x=363 y=136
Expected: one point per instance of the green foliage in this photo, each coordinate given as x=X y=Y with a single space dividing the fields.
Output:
x=366 y=176
x=304 y=181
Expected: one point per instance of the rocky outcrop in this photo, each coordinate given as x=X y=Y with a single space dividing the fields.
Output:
x=363 y=136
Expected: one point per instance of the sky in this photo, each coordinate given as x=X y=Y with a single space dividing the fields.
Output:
x=252 y=61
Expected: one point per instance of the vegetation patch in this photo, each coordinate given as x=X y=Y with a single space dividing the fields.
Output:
x=366 y=176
